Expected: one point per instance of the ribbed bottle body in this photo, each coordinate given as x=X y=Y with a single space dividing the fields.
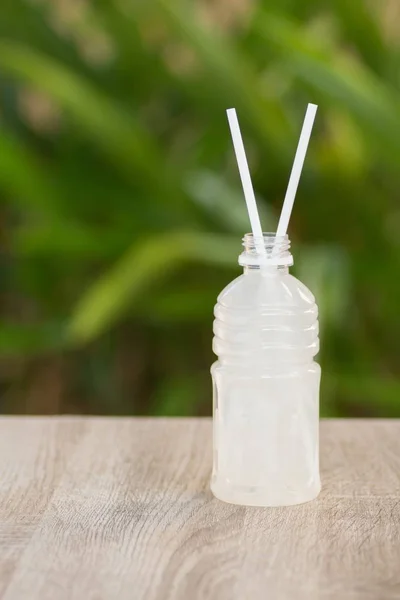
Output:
x=266 y=391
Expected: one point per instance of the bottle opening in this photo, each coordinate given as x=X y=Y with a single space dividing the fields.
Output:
x=269 y=250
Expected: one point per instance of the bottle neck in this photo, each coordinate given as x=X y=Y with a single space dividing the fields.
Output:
x=267 y=252
x=265 y=270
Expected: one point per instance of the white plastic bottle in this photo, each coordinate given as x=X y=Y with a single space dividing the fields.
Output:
x=266 y=383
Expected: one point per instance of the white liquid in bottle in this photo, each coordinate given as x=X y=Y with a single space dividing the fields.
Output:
x=266 y=384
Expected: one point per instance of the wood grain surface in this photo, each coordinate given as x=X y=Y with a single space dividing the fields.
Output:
x=103 y=508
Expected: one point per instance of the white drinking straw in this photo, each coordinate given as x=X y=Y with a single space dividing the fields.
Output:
x=296 y=170
x=246 y=181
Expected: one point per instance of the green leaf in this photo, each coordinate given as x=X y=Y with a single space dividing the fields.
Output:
x=360 y=23
x=337 y=78
x=181 y=305
x=224 y=203
x=132 y=55
x=19 y=340
x=325 y=271
x=28 y=23
x=142 y=268
x=120 y=136
x=67 y=239
x=377 y=393
x=25 y=179
x=175 y=397
x=228 y=72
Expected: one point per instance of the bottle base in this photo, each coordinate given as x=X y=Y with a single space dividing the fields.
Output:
x=245 y=496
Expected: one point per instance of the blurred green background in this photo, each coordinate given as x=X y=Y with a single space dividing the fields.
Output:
x=121 y=207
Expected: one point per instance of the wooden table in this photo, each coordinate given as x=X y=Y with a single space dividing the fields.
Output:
x=111 y=508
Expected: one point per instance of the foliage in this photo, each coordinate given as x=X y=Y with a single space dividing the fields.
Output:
x=121 y=204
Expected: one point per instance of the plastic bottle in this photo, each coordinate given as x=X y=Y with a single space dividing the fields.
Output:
x=266 y=383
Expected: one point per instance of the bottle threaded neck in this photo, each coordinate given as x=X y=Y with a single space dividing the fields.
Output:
x=270 y=250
